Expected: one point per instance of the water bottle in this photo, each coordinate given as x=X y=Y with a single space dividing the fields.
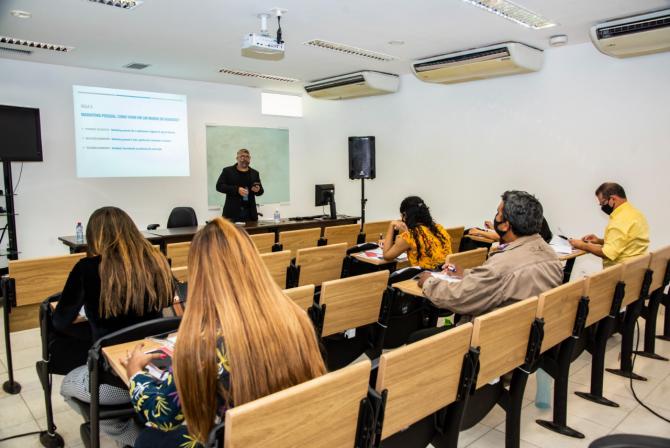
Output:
x=277 y=217
x=543 y=391
x=79 y=234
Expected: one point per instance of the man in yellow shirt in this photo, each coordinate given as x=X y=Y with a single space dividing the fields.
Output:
x=626 y=234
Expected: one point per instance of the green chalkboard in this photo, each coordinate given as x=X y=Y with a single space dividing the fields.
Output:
x=269 y=155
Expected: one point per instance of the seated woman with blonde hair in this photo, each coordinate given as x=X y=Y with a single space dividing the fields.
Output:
x=122 y=281
x=240 y=339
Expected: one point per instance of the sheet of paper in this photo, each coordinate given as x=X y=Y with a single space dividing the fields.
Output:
x=560 y=245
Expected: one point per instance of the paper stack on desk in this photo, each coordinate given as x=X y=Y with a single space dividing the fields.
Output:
x=378 y=254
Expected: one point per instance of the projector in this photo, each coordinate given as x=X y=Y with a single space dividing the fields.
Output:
x=262 y=44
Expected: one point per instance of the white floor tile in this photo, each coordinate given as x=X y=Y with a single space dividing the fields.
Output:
x=32 y=441
x=467 y=437
x=496 y=439
x=641 y=421
x=603 y=415
x=13 y=411
x=533 y=433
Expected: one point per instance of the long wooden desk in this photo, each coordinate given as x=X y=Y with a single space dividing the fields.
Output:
x=163 y=237
x=75 y=247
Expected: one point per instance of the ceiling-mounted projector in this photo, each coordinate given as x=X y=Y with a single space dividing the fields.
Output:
x=259 y=43
x=262 y=45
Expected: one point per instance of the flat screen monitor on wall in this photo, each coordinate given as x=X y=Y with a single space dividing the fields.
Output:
x=20 y=136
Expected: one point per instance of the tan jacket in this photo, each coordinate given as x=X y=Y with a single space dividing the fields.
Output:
x=525 y=268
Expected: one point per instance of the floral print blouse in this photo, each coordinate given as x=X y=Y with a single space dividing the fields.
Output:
x=426 y=249
x=158 y=402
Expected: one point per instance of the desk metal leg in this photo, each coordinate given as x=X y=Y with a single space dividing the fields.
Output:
x=628 y=331
x=567 y=270
x=650 y=328
x=10 y=386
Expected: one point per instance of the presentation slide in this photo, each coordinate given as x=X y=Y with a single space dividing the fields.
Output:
x=127 y=133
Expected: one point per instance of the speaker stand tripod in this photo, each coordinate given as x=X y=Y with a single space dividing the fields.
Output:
x=363 y=201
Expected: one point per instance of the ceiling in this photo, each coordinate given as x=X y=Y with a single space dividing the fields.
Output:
x=193 y=39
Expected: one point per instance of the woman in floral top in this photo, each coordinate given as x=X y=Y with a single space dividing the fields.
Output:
x=235 y=312
x=426 y=243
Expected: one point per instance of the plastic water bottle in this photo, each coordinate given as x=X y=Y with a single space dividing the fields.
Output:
x=79 y=233
x=277 y=217
x=543 y=391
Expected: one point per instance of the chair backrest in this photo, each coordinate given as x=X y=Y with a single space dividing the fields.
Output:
x=469 y=259
x=659 y=264
x=277 y=264
x=38 y=278
x=320 y=264
x=182 y=217
x=456 y=235
x=634 y=271
x=502 y=337
x=299 y=239
x=422 y=377
x=178 y=254
x=558 y=308
x=353 y=301
x=600 y=289
x=347 y=234
x=322 y=412
x=303 y=296
x=372 y=230
x=180 y=273
x=263 y=242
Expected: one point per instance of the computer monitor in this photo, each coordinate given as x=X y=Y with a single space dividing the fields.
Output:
x=20 y=131
x=324 y=194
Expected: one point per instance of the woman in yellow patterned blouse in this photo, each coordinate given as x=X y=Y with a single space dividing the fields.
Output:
x=427 y=243
x=240 y=339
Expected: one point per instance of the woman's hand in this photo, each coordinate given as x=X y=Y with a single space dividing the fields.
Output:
x=137 y=360
x=399 y=226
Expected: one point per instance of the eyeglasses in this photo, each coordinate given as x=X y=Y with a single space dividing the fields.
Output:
x=601 y=203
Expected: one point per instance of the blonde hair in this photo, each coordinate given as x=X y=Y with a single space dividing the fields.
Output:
x=270 y=342
x=133 y=275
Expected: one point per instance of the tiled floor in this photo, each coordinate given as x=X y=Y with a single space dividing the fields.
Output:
x=25 y=412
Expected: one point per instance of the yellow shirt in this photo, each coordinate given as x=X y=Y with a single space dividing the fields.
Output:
x=434 y=250
x=626 y=235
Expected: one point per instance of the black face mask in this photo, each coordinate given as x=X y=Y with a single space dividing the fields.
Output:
x=500 y=233
x=606 y=208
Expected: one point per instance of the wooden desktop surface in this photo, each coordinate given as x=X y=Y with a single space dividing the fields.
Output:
x=410 y=286
x=164 y=236
x=75 y=247
x=114 y=353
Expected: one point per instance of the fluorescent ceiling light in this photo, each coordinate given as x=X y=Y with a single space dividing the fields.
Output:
x=228 y=71
x=123 y=4
x=348 y=49
x=34 y=44
x=515 y=13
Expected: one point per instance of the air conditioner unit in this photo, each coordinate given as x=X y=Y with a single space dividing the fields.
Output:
x=633 y=36
x=495 y=60
x=353 y=85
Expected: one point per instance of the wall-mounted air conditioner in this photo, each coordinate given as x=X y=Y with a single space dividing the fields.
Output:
x=633 y=36
x=353 y=85
x=495 y=60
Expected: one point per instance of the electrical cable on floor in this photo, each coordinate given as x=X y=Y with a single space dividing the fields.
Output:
x=21 y=435
x=637 y=343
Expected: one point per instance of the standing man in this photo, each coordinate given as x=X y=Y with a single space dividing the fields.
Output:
x=241 y=184
x=626 y=234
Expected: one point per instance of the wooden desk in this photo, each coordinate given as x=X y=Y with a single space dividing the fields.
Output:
x=114 y=353
x=76 y=247
x=569 y=263
x=409 y=287
x=571 y=256
x=163 y=237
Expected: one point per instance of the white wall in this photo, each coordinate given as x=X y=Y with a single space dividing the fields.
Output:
x=52 y=199
x=585 y=118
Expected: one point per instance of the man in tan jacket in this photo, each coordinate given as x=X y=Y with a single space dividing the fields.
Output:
x=524 y=266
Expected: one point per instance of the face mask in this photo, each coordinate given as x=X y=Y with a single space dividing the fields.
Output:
x=500 y=233
x=607 y=208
